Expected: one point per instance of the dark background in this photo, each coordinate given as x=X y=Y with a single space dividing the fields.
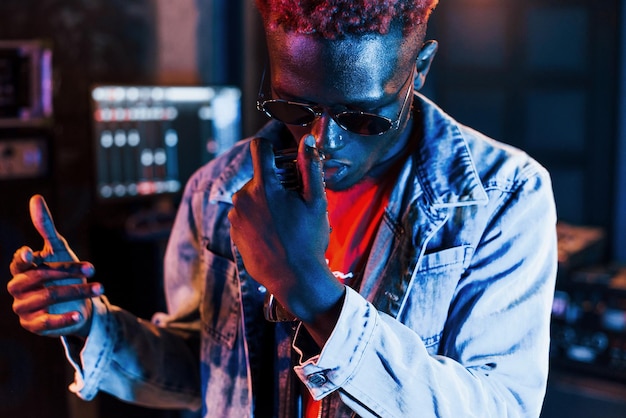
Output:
x=545 y=76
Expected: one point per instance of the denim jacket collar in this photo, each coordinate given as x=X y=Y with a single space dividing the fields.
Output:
x=444 y=165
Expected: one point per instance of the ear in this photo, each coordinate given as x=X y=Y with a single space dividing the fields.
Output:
x=423 y=62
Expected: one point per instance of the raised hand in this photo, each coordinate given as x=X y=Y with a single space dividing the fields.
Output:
x=49 y=287
x=282 y=235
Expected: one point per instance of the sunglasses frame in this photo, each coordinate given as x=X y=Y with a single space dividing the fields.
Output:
x=317 y=111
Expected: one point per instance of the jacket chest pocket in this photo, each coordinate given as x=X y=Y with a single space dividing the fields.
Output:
x=428 y=299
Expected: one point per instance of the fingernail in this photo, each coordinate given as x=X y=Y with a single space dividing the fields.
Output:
x=87 y=270
x=75 y=316
x=97 y=289
x=27 y=256
x=309 y=141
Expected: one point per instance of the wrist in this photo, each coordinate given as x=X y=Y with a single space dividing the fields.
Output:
x=308 y=290
x=322 y=325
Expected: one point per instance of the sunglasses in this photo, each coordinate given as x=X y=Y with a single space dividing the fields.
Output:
x=302 y=114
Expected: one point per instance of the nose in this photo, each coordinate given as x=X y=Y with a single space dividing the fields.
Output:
x=329 y=136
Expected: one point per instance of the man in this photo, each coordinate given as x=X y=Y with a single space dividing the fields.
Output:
x=417 y=258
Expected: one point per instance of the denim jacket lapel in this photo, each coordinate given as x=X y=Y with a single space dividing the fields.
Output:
x=419 y=206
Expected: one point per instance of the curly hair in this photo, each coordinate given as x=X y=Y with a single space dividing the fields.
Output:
x=334 y=18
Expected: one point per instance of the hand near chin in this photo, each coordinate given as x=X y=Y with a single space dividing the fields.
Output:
x=282 y=235
x=49 y=287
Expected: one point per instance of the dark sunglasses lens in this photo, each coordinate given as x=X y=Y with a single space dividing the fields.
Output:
x=363 y=124
x=289 y=113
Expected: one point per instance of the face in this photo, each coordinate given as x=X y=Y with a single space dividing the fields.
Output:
x=370 y=73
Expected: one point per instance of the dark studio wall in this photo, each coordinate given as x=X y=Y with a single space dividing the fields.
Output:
x=620 y=186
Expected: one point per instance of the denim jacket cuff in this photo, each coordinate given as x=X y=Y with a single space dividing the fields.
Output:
x=342 y=353
x=95 y=355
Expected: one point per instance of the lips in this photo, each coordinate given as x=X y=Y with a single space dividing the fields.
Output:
x=334 y=171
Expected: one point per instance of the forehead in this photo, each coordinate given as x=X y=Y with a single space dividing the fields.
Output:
x=379 y=64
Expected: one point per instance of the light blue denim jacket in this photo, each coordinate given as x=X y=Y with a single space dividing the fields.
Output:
x=451 y=320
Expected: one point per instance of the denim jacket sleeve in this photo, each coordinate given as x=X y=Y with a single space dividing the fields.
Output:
x=133 y=360
x=488 y=355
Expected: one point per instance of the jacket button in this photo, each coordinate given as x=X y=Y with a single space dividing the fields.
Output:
x=317 y=379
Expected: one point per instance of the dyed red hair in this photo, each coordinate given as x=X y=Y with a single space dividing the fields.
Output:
x=334 y=18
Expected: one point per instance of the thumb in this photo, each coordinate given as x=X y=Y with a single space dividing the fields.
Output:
x=55 y=247
x=311 y=169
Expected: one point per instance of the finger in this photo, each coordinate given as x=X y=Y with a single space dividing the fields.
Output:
x=310 y=166
x=51 y=325
x=47 y=296
x=54 y=243
x=232 y=215
x=23 y=259
x=263 y=161
x=36 y=278
x=70 y=268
